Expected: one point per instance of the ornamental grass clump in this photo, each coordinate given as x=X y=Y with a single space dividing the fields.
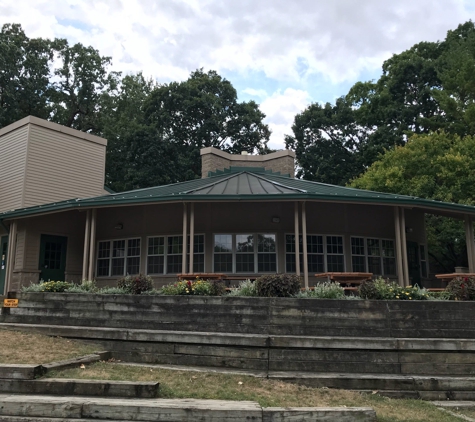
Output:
x=278 y=285
x=461 y=288
x=136 y=284
x=86 y=286
x=245 y=288
x=196 y=287
x=325 y=290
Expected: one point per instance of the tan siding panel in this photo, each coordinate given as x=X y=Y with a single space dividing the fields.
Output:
x=61 y=167
x=12 y=168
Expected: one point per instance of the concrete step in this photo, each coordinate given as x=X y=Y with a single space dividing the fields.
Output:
x=76 y=387
x=51 y=409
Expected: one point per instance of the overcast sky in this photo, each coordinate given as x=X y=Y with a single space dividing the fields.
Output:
x=282 y=54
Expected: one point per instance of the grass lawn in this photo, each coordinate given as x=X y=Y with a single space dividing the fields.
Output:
x=16 y=347
x=184 y=384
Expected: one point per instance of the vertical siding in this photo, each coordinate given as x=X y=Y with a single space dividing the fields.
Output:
x=13 y=147
x=61 y=166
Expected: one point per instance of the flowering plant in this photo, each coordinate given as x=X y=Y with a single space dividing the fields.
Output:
x=196 y=287
x=461 y=288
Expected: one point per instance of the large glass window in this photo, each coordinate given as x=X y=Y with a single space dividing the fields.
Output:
x=238 y=253
x=118 y=257
x=165 y=254
x=377 y=256
x=320 y=258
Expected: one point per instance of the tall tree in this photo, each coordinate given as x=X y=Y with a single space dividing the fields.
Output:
x=436 y=166
x=25 y=86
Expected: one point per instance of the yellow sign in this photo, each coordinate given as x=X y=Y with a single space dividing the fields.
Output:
x=10 y=303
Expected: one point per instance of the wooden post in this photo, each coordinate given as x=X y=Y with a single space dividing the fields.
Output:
x=185 y=233
x=470 y=246
x=397 y=230
x=192 y=236
x=404 y=247
x=87 y=235
x=297 y=245
x=11 y=256
x=92 y=245
x=304 y=245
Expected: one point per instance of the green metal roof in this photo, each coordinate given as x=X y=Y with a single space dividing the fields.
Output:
x=246 y=185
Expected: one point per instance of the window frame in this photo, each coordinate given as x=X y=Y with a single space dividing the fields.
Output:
x=166 y=254
x=381 y=256
x=325 y=253
x=111 y=257
x=255 y=252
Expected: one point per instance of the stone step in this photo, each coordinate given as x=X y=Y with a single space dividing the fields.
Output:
x=77 y=387
x=47 y=408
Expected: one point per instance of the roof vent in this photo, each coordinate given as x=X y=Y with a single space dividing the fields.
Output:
x=244 y=153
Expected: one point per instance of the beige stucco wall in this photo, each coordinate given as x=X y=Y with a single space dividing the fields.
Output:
x=213 y=159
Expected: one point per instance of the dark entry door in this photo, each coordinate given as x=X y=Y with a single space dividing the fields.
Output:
x=413 y=262
x=3 y=262
x=52 y=257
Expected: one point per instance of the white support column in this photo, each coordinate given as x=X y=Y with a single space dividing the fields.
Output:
x=92 y=245
x=304 y=245
x=297 y=244
x=397 y=230
x=472 y=241
x=470 y=246
x=192 y=236
x=185 y=233
x=87 y=235
x=11 y=256
x=404 y=248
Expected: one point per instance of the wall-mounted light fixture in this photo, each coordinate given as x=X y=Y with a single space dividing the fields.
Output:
x=276 y=219
x=119 y=226
x=409 y=230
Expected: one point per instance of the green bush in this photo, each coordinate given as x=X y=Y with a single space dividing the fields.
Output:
x=325 y=290
x=218 y=288
x=113 y=291
x=245 y=288
x=461 y=288
x=381 y=289
x=136 y=284
x=55 y=286
x=196 y=287
x=278 y=285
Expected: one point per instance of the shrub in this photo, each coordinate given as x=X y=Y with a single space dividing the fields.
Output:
x=136 y=284
x=55 y=286
x=278 y=285
x=461 y=288
x=153 y=292
x=381 y=289
x=196 y=287
x=218 y=287
x=33 y=287
x=245 y=288
x=86 y=286
x=325 y=290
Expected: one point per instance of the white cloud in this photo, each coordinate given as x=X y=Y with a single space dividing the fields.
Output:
x=280 y=109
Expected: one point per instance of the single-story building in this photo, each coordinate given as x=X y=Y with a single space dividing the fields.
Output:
x=247 y=216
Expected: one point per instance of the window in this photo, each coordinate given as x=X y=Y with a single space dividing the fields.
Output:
x=377 y=256
x=424 y=271
x=118 y=257
x=324 y=253
x=238 y=253
x=165 y=254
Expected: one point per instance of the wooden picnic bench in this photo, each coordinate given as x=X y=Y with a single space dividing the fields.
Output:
x=346 y=278
x=203 y=276
x=450 y=276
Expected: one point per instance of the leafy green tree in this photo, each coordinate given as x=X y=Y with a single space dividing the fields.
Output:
x=25 y=86
x=84 y=83
x=438 y=166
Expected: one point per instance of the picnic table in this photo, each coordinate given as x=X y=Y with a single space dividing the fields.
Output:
x=203 y=276
x=450 y=276
x=346 y=278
